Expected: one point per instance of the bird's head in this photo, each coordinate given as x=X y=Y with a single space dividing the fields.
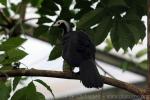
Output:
x=63 y=24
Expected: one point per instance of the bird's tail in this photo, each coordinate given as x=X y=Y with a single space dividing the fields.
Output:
x=89 y=74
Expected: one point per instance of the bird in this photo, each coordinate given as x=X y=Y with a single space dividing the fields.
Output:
x=78 y=50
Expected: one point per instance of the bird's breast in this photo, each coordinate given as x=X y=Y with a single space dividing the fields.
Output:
x=70 y=53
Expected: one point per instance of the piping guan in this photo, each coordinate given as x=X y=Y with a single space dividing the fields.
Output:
x=79 y=51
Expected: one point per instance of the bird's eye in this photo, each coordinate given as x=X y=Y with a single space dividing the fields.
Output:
x=59 y=23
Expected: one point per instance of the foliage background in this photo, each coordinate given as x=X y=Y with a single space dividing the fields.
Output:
x=121 y=19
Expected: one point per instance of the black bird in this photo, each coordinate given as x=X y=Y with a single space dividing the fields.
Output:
x=79 y=51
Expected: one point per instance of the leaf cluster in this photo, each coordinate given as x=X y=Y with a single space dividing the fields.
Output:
x=119 y=18
x=11 y=52
x=99 y=18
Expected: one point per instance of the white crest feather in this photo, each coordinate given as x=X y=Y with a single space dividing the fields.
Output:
x=59 y=22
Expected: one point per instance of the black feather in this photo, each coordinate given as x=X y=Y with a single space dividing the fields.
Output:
x=79 y=51
x=89 y=74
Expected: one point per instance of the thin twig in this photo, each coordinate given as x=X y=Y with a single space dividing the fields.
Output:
x=14 y=27
x=25 y=20
x=22 y=28
x=24 y=65
x=3 y=25
x=104 y=71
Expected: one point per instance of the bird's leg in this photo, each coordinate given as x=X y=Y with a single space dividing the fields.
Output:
x=68 y=68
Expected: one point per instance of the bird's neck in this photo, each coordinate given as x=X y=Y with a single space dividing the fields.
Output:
x=66 y=28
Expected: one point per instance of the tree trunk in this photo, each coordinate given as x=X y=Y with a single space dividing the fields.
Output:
x=148 y=46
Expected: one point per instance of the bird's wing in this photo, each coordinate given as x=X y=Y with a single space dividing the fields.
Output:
x=85 y=45
x=77 y=47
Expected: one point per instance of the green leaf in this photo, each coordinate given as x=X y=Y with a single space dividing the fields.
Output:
x=54 y=35
x=141 y=53
x=15 y=82
x=6 y=12
x=50 y=4
x=45 y=85
x=2 y=57
x=59 y=2
x=6 y=67
x=126 y=33
x=120 y=37
x=139 y=6
x=90 y=18
x=44 y=19
x=115 y=37
x=4 y=2
x=108 y=46
x=124 y=66
x=38 y=96
x=137 y=34
x=141 y=28
x=27 y=93
x=55 y=53
x=83 y=4
x=5 y=90
x=135 y=25
x=42 y=29
x=36 y=3
x=11 y=43
x=112 y=3
x=131 y=16
x=66 y=14
x=102 y=30
x=44 y=11
x=2 y=21
x=48 y=8
x=20 y=94
x=67 y=3
x=14 y=55
x=144 y=64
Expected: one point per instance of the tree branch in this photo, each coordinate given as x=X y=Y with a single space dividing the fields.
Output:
x=3 y=25
x=23 y=7
x=58 y=74
x=25 y=20
x=104 y=71
x=4 y=16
